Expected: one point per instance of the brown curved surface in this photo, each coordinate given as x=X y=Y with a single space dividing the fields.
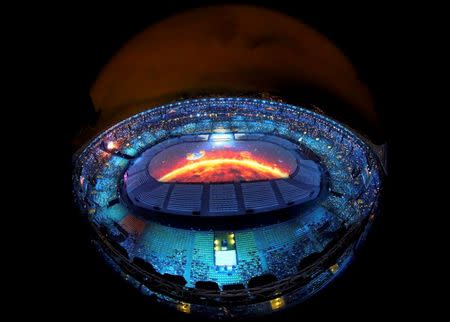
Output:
x=223 y=49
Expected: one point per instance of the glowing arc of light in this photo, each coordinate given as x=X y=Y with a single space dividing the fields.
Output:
x=212 y=163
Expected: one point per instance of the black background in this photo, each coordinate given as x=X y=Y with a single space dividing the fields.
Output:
x=79 y=41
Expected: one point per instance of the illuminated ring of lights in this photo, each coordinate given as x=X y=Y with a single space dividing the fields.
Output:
x=355 y=179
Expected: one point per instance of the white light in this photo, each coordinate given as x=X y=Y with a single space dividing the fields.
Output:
x=225 y=258
x=111 y=145
x=220 y=137
x=220 y=130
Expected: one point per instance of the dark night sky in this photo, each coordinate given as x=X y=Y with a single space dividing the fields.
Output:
x=79 y=282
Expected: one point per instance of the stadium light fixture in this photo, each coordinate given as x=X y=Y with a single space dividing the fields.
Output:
x=334 y=268
x=184 y=307
x=277 y=303
x=111 y=145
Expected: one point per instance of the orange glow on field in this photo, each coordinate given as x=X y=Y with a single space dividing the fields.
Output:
x=222 y=162
x=224 y=170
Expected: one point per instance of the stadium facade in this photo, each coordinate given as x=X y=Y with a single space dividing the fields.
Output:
x=228 y=206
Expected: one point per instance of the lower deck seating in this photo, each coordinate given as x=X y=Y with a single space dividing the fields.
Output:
x=258 y=195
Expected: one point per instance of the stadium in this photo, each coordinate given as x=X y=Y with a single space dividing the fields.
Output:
x=228 y=206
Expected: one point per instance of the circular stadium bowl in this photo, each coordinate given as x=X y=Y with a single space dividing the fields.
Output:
x=228 y=206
